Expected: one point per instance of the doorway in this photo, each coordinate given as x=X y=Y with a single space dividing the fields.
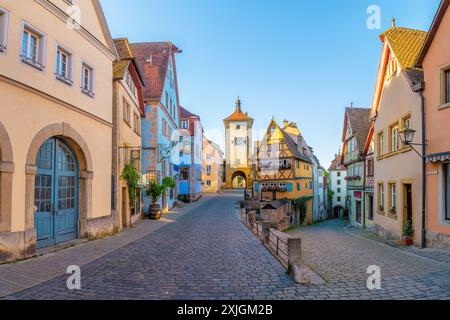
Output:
x=358 y=211
x=56 y=194
x=408 y=211
x=370 y=207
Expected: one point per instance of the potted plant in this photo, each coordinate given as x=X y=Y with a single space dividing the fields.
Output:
x=393 y=210
x=380 y=208
x=408 y=232
x=156 y=190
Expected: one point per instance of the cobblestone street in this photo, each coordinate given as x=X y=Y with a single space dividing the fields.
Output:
x=209 y=254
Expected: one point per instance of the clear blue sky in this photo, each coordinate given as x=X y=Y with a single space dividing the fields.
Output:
x=300 y=60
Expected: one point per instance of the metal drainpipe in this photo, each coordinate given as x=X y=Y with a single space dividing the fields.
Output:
x=424 y=176
x=364 y=194
x=419 y=88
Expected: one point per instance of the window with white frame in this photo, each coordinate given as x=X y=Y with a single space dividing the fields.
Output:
x=391 y=68
x=395 y=141
x=64 y=65
x=33 y=47
x=208 y=183
x=3 y=29
x=126 y=111
x=393 y=197
x=184 y=124
x=130 y=82
x=87 y=80
x=137 y=123
x=208 y=169
x=381 y=196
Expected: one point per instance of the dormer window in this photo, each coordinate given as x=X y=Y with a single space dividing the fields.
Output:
x=391 y=68
x=33 y=46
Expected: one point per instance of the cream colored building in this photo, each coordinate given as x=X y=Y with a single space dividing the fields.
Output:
x=212 y=173
x=398 y=174
x=128 y=109
x=55 y=125
x=238 y=149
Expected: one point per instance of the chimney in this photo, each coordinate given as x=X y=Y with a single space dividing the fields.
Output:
x=285 y=123
x=300 y=144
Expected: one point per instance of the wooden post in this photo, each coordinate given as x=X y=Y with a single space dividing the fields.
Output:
x=252 y=218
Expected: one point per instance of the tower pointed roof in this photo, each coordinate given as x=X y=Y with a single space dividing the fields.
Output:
x=238 y=115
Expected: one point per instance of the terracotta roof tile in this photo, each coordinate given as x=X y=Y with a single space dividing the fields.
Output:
x=238 y=115
x=405 y=43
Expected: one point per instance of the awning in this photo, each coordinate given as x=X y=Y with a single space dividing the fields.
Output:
x=438 y=157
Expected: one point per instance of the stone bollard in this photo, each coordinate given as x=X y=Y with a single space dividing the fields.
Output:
x=294 y=249
x=265 y=234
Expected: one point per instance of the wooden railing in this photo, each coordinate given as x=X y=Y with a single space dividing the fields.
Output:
x=285 y=247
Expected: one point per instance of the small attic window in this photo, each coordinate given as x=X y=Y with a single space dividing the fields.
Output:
x=391 y=68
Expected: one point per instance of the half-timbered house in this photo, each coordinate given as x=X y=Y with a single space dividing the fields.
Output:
x=283 y=171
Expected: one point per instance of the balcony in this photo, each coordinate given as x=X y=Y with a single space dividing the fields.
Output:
x=274 y=189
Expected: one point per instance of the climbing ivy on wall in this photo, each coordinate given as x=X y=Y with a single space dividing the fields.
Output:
x=301 y=204
x=132 y=176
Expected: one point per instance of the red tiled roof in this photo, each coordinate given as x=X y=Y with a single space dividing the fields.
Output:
x=238 y=115
x=186 y=114
x=336 y=164
x=359 y=122
x=153 y=59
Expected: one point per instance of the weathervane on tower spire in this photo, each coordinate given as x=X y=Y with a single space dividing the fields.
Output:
x=238 y=104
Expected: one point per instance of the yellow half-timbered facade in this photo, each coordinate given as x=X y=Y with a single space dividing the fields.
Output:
x=281 y=171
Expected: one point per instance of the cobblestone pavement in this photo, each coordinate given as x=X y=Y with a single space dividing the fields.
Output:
x=209 y=254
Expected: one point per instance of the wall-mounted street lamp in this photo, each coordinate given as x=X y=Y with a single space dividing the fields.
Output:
x=166 y=151
x=407 y=137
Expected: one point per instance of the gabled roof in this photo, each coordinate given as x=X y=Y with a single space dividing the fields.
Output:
x=358 y=119
x=238 y=115
x=405 y=44
x=276 y=204
x=433 y=30
x=336 y=164
x=154 y=58
x=292 y=145
x=104 y=26
x=125 y=58
x=184 y=114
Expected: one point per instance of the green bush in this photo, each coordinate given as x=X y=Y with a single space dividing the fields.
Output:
x=408 y=229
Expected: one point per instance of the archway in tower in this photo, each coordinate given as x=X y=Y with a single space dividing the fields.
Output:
x=239 y=180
